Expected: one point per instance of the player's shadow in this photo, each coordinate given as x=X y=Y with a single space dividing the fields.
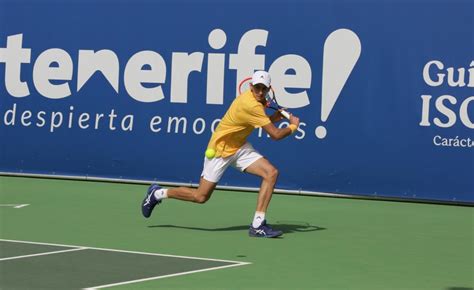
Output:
x=285 y=226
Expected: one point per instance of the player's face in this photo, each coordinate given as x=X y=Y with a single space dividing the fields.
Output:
x=259 y=92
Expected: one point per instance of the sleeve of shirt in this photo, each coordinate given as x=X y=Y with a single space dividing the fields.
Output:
x=257 y=117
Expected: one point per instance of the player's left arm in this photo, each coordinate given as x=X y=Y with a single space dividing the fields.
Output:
x=280 y=133
x=276 y=117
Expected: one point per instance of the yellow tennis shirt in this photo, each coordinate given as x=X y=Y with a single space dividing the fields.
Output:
x=244 y=114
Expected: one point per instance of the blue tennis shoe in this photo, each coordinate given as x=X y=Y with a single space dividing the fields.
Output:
x=264 y=231
x=150 y=201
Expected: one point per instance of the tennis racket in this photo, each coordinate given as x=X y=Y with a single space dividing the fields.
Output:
x=271 y=101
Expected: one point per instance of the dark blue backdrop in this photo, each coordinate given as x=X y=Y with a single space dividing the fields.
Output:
x=375 y=144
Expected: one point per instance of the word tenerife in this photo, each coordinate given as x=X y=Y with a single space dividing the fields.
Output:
x=145 y=71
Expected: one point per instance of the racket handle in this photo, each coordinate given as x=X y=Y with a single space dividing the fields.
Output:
x=285 y=114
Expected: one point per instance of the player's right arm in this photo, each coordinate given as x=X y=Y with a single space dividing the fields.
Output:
x=280 y=133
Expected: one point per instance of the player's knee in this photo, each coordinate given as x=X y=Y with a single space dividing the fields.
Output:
x=272 y=174
x=201 y=198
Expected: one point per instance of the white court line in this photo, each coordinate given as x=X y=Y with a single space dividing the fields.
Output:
x=235 y=263
x=42 y=254
x=123 y=251
x=15 y=205
x=165 y=276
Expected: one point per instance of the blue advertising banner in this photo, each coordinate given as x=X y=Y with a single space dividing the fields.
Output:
x=133 y=89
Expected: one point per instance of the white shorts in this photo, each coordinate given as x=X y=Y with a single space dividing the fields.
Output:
x=214 y=168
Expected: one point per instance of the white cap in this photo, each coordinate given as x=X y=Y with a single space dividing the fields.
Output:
x=261 y=77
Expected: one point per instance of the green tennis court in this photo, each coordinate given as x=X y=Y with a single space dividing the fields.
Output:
x=73 y=234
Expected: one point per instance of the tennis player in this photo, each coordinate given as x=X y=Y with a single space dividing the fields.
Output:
x=246 y=113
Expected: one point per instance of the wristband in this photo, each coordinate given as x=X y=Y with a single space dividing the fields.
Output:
x=293 y=128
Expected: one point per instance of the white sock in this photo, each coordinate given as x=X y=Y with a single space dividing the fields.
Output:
x=161 y=194
x=258 y=219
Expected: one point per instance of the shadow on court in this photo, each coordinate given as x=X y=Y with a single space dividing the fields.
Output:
x=286 y=227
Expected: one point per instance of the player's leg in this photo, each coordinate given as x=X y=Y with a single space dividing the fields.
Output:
x=156 y=194
x=198 y=195
x=249 y=160
x=212 y=172
x=269 y=174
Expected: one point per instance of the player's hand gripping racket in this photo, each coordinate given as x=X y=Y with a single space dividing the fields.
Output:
x=270 y=97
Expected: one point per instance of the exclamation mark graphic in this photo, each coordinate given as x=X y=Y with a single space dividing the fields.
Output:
x=341 y=52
